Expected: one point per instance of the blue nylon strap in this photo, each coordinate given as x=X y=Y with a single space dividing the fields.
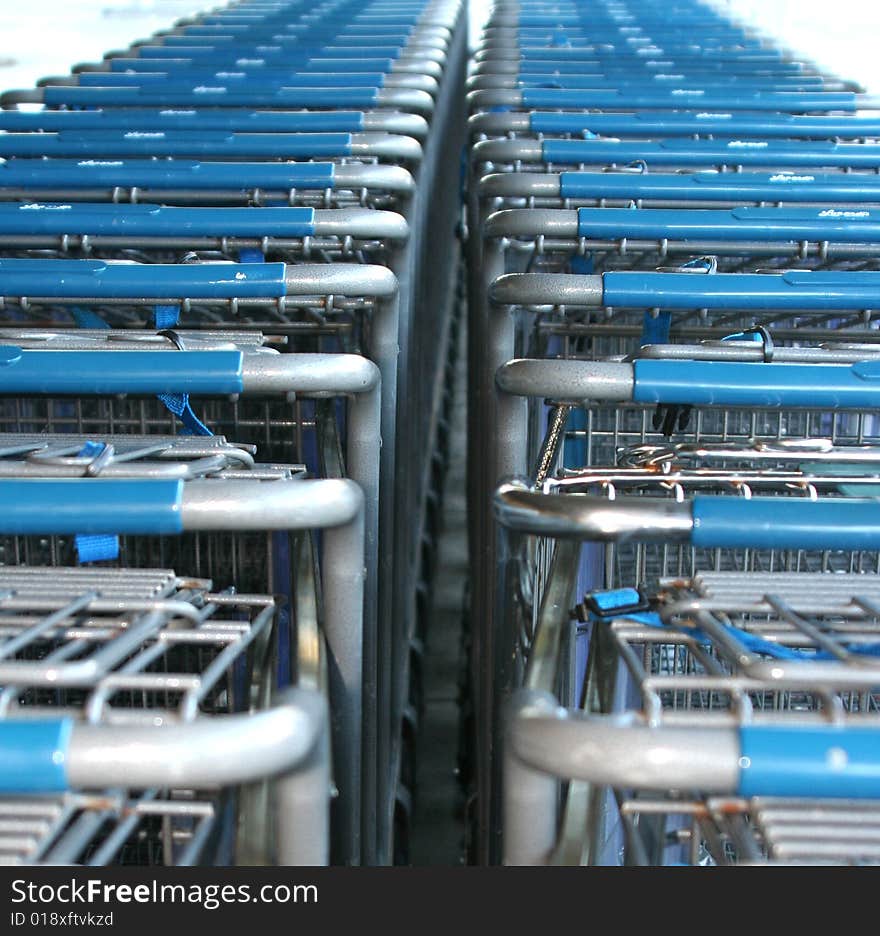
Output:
x=655 y=328
x=179 y=405
x=85 y=318
x=95 y=547
x=608 y=601
x=33 y=755
x=166 y=316
x=251 y=255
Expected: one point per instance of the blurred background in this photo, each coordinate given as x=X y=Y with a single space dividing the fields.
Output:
x=46 y=37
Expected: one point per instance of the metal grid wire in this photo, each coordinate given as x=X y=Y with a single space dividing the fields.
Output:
x=96 y=829
x=125 y=646
x=249 y=561
x=682 y=676
x=331 y=323
x=543 y=254
x=311 y=249
x=762 y=830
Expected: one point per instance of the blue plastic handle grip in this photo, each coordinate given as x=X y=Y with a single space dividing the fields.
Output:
x=719 y=124
x=105 y=144
x=41 y=506
x=650 y=84
x=810 y=761
x=793 y=102
x=170 y=118
x=858 y=225
x=154 y=221
x=113 y=372
x=96 y=279
x=222 y=46
x=210 y=96
x=789 y=187
x=792 y=290
x=726 y=383
x=267 y=63
x=786 y=523
x=234 y=80
x=33 y=755
x=777 y=154
x=146 y=174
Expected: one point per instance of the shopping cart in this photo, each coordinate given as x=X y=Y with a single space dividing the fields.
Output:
x=750 y=697
x=104 y=664
x=73 y=389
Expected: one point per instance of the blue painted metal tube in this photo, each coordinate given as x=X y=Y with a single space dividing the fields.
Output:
x=776 y=154
x=271 y=64
x=859 y=225
x=793 y=102
x=718 y=123
x=99 y=280
x=39 y=506
x=210 y=96
x=33 y=755
x=89 y=373
x=786 y=523
x=810 y=761
x=154 y=221
x=36 y=174
x=795 y=289
x=724 y=187
x=264 y=81
x=191 y=119
x=725 y=383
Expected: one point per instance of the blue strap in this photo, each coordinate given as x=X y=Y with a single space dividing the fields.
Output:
x=608 y=601
x=95 y=547
x=179 y=405
x=581 y=265
x=85 y=318
x=251 y=255
x=166 y=316
x=655 y=328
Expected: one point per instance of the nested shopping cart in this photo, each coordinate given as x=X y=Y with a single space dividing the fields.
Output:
x=725 y=716
x=127 y=690
x=97 y=384
x=415 y=64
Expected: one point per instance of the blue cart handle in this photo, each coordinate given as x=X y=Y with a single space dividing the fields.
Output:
x=838 y=225
x=849 y=524
x=759 y=385
x=718 y=123
x=101 y=144
x=97 y=279
x=170 y=118
x=697 y=153
x=154 y=221
x=266 y=81
x=53 y=175
x=37 y=506
x=795 y=289
x=789 y=187
x=25 y=371
x=217 y=96
x=780 y=101
x=268 y=62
